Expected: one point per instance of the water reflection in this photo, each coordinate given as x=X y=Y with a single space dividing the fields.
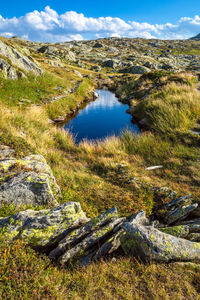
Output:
x=101 y=118
x=106 y=100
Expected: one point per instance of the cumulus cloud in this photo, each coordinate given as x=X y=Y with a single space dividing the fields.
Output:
x=49 y=26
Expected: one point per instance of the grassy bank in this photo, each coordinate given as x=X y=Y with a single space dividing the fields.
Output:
x=101 y=175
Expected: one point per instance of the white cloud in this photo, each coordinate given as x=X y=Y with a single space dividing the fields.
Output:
x=49 y=26
x=7 y=34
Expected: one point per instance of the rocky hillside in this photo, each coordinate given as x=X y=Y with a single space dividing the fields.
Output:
x=122 y=55
x=138 y=56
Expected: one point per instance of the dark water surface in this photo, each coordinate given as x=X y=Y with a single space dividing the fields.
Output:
x=103 y=117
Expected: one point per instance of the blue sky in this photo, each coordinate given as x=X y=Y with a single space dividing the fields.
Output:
x=143 y=11
x=49 y=20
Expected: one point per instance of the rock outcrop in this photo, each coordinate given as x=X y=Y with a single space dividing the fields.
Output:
x=45 y=228
x=13 y=60
x=152 y=244
x=65 y=234
x=26 y=181
x=7 y=70
x=53 y=51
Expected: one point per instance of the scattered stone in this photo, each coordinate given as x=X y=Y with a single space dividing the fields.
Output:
x=98 y=45
x=95 y=95
x=154 y=168
x=111 y=63
x=55 y=51
x=78 y=73
x=59 y=119
x=55 y=64
x=177 y=214
x=96 y=68
x=143 y=122
x=139 y=70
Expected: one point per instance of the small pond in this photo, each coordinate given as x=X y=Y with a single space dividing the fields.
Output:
x=103 y=117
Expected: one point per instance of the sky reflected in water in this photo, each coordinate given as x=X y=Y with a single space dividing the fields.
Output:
x=103 y=117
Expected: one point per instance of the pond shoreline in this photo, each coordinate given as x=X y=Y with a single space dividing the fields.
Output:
x=106 y=84
x=106 y=117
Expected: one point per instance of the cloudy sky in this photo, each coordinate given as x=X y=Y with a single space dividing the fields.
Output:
x=129 y=19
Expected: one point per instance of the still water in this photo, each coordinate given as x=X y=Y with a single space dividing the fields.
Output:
x=103 y=117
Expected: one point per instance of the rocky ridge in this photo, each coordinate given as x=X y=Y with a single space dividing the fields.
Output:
x=138 y=56
x=196 y=37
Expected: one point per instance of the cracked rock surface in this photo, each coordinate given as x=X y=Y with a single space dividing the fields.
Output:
x=26 y=181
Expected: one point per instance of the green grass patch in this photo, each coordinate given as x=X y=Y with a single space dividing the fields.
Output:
x=30 y=90
x=68 y=104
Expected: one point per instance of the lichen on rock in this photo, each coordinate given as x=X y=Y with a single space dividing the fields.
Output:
x=42 y=229
x=26 y=181
x=154 y=244
x=179 y=231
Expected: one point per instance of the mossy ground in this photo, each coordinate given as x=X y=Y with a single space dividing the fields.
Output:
x=90 y=173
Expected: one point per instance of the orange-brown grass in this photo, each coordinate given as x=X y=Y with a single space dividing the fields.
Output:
x=26 y=275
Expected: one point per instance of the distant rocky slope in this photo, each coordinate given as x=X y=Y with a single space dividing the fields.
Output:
x=138 y=56
x=196 y=37
x=120 y=55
